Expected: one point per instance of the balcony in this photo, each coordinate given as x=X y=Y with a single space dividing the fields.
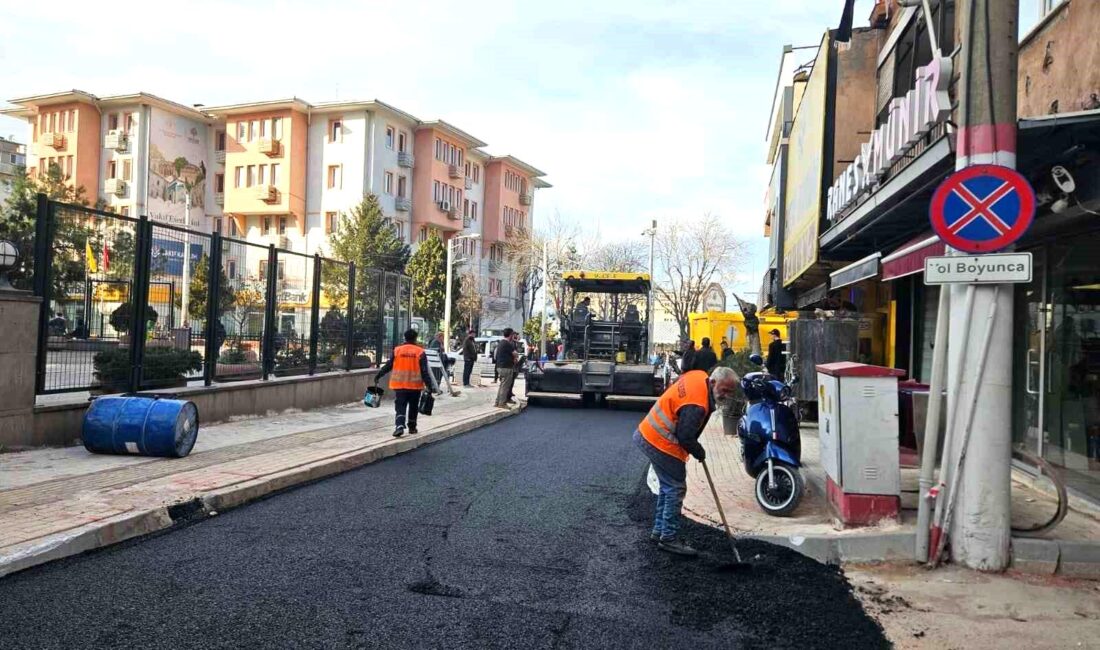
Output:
x=116 y=140
x=402 y=204
x=269 y=146
x=219 y=198
x=281 y=241
x=405 y=159
x=7 y=169
x=453 y=213
x=499 y=304
x=266 y=193
x=114 y=186
x=51 y=139
x=495 y=265
x=454 y=171
x=219 y=157
x=466 y=221
x=525 y=198
x=469 y=183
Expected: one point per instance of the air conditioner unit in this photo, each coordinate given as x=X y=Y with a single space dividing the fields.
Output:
x=55 y=140
x=454 y=171
x=115 y=186
x=453 y=213
x=266 y=193
x=269 y=146
x=116 y=140
x=405 y=159
x=219 y=198
x=282 y=241
x=445 y=206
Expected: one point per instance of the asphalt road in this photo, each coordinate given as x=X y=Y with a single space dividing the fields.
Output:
x=529 y=533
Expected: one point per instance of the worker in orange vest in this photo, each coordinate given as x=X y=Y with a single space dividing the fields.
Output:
x=669 y=433
x=411 y=375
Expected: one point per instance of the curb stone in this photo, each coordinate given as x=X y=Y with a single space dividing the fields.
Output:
x=127 y=526
x=1079 y=560
x=876 y=547
x=1036 y=556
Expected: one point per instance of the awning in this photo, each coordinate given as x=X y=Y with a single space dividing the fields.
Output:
x=867 y=267
x=909 y=259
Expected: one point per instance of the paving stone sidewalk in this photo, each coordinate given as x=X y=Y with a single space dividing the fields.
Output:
x=57 y=502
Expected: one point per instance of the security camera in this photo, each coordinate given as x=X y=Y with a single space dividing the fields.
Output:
x=1059 y=206
x=1063 y=179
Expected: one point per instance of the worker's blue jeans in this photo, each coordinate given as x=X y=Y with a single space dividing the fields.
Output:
x=670 y=499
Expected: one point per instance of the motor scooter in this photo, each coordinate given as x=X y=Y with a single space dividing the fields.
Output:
x=771 y=446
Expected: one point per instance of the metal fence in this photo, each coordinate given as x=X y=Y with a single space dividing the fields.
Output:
x=213 y=308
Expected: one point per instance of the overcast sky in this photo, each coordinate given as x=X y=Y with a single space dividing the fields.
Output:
x=635 y=109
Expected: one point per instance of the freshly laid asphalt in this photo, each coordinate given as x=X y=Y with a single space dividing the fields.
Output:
x=530 y=533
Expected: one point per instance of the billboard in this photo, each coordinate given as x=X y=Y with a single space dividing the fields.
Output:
x=177 y=168
x=805 y=167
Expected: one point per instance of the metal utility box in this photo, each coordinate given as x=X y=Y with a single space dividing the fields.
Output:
x=858 y=428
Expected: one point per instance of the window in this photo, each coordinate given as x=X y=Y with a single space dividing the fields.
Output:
x=389 y=137
x=281 y=271
x=277 y=128
x=467 y=170
x=219 y=183
x=336 y=130
x=251 y=174
x=125 y=210
x=219 y=141
x=335 y=178
x=282 y=225
x=435 y=191
x=389 y=183
x=477 y=173
x=231 y=265
x=275 y=173
x=263 y=269
x=261 y=179
x=232 y=227
x=438 y=149
x=238 y=176
x=266 y=229
x=127 y=169
x=330 y=222
x=399 y=230
x=401 y=142
x=253 y=129
x=465 y=210
x=112 y=169
x=112 y=122
x=218 y=225
x=128 y=122
x=241 y=131
x=263 y=128
x=401 y=186
x=423 y=235
x=473 y=210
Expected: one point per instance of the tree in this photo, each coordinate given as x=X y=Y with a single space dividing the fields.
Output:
x=468 y=305
x=525 y=251
x=248 y=299
x=428 y=270
x=196 y=308
x=368 y=238
x=619 y=257
x=689 y=256
x=532 y=330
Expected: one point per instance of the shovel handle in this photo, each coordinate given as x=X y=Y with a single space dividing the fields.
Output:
x=717 y=501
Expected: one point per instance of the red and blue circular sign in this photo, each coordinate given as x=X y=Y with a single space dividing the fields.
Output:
x=982 y=209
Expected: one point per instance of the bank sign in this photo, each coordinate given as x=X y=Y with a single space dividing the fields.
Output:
x=908 y=121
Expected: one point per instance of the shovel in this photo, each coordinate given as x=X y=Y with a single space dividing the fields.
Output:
x=739 y=565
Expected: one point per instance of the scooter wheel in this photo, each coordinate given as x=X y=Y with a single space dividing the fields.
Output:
x=784 y=498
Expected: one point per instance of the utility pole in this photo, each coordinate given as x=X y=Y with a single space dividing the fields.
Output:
x=979 y=532
x=185 y=301
x=652 y=232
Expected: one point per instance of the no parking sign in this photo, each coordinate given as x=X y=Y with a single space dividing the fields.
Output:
x=982 y=209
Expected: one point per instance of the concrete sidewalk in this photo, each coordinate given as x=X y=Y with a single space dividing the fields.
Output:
x=1071 y=549
x=60 y=502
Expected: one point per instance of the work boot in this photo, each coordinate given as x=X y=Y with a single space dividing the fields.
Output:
x=677 y=547
x=412 y=430
x=398 y=432
x=654 y=536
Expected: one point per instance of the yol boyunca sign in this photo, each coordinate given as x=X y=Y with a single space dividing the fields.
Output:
x=909 y=119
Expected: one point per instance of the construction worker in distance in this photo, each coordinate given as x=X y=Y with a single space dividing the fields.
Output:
x=669 y=433
x=411 y=375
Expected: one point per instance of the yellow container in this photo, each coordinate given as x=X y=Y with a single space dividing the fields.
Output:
x=730 y=327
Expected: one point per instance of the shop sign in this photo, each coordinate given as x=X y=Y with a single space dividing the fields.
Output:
x=1003 y=268
x=910 y=118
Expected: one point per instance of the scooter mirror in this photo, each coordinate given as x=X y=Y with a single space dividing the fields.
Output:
x=757 y=359
x=794 y=381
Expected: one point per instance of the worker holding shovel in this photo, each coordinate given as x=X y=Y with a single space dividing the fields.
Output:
x=668 y=434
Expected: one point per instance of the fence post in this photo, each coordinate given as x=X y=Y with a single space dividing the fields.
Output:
x=43 y=259
x=213 y=308
x=271 y=295
x=314 y=314
x=351 y=317
x=139 y=301
x=381 y=345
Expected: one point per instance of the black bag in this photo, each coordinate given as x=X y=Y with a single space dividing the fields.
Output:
x=427 y=403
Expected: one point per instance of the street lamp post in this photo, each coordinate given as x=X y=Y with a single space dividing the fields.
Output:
x=545 y=289
x=447 y=298
x=186 y=261
x=651 y=232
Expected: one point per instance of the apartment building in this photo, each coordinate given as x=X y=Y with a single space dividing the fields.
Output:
x=284 y=172
x=13 y=155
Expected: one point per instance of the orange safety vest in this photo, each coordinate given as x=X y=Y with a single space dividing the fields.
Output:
x=406 y=368
x=659 y=425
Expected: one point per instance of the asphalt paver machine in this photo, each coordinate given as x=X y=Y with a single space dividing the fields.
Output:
x=604 y=340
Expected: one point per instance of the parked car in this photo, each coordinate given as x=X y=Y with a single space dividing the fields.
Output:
x=486 y=349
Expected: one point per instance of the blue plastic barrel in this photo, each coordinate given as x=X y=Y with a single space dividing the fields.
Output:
x=146 y=426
